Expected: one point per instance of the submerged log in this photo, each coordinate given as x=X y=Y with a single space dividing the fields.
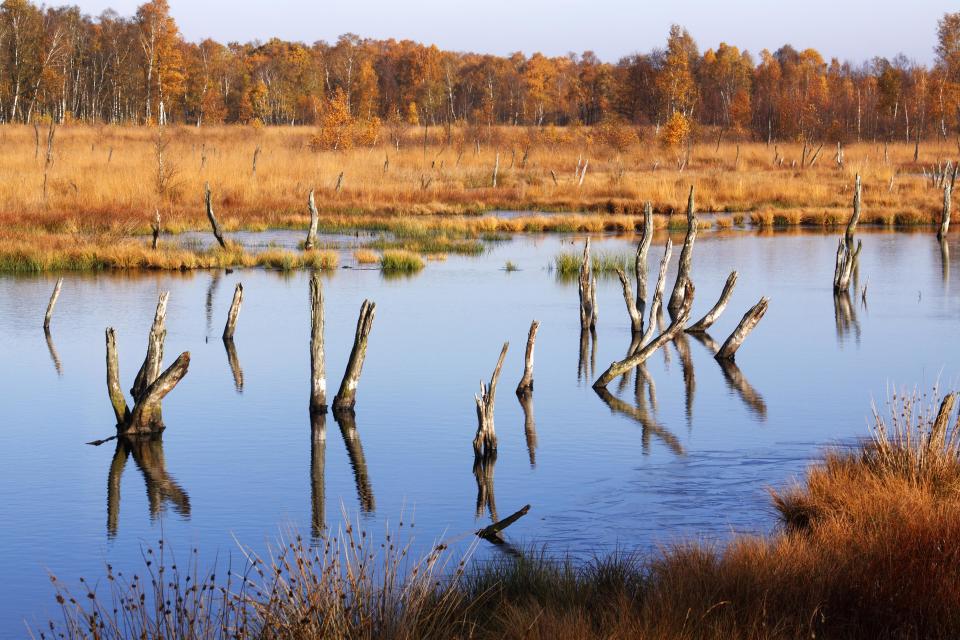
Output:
x=686 y=260
x=707 y=321
x=658 y=290
x=492 y=533
x=318 y=376
x=525 y=387
x=636 y=320
x=485 y=440
x=750 y=319
x=234 y=312
x=314 y=220
x=346 y=398
x=945 y=215
x=640 y=263
x=208 y=200
x=640 y=356
x=53 y=303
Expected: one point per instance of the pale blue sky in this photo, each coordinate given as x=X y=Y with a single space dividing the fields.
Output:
x=853 y=30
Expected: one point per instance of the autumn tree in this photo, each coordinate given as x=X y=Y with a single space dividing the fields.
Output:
x=161 y=57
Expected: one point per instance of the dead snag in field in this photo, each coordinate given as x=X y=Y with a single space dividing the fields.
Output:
x=150 y=386
x=256 y=155
x=346 y=398
x=155 y=228
x=847 y=254
x=686 y=260
x=234 y=313
x=53 y=303
x=208 y=200
x=339 y=185
x=485 y=440
x=587 y=288
x=640 y=263
x=707 y=321
x=658 y=290
x=750 y=319
x=636 y=320
x=937 y=437
x=496 y=169
x=314 y=219
x=525 y=387
x=945 y=215
x=318 y=376
x=617 y=369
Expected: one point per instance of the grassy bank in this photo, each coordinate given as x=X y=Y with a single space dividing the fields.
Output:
x=868 y=547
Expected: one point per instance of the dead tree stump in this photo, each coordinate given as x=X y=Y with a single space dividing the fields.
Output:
x=208 y=200
x=636 y=320
x=707 y=321
x=53 y=303
x=750 y=319
x=640 y=263
x=945 y=216
x=525 y=387
x=686 y=260
x=847 y=253
x=346 y=398
x=314 y=220
x=658 y=292
x=318 y=376
x=234 y=312
x=485 y=441
x=587 y=288
x=156 y=229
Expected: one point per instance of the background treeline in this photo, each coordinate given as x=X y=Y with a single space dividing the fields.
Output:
x=56 y=63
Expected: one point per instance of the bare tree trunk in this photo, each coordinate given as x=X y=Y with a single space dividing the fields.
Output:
x=485 y=441
x=156 y=229
x=146 y=417
x=150 y=368
x=346 y=398
x=256 y=155
x=496 y=169
x=750 y=319
x=314 y=219
x=526 y=382
x=208 y=198
x=707 y=321
x=117 y=399
x=640 y=264
x=658 y=292
x=587 y=290
x=53 y=303
x=617 y=369
x=234 y=312
x=318 y=376
x=686 y=259
x=636 y=320
x=945 y=216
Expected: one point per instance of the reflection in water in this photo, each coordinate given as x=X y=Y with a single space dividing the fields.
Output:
x=689 y=380
x=53 y=352
x=735 y=378
x=161 y=488
x=845 y=316
x=587 y=364
x=644 y=378
x=642 y=416
x=945 y=261
x=483 y=467
x=211 y=292
x=318 y=456
x=348 y=429
x=234 y=363
x=529 y=426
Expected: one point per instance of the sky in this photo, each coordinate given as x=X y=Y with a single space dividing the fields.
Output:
x=854 y=30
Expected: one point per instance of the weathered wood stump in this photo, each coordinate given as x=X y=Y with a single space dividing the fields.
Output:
x=485 y=440
x=208 y=200
x=346 y=397
x=749 y=321
x=314 y=219
x=658 y=290
x=318 y=376
x=686 y=260
x=707 y=321
x=847 y=253
x=234 y=312
x=640 y=262
x=945 y=215
x=525 y=387
x=636 y=319
x=48 y=316
x=587 y=289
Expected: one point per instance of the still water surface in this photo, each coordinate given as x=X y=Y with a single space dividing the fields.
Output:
x=690 y=457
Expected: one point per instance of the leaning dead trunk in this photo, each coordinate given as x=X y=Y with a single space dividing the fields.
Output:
x=314 y=220
x=686 y=260
x=658 y=292
x=318 y=375
x=53 y=303
x=636 y=320
x=208 y=199
x=346 y=398
x=945 y=216
x=525 y=387
x=617 y=369
x=707 y=321
x=117 y=399
x=485 y=441
x=847 y=253
x=146 y=416
x=750 y=319
x=640 y=264
x=234 y=312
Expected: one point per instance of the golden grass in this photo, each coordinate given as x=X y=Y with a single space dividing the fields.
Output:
x=400 y=260
x=870 y=548
x=365 y=256
x=103 y=178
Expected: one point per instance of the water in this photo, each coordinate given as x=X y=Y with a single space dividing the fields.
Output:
x=238 y=460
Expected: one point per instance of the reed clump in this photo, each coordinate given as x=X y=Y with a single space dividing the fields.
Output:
x=567 y=263
x=400 y=261
x=869 y=547
x=365 y=256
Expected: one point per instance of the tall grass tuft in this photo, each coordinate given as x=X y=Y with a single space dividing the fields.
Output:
x=567 y=263
x=400 y=261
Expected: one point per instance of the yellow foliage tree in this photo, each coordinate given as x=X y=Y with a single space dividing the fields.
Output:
x=676 y=131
